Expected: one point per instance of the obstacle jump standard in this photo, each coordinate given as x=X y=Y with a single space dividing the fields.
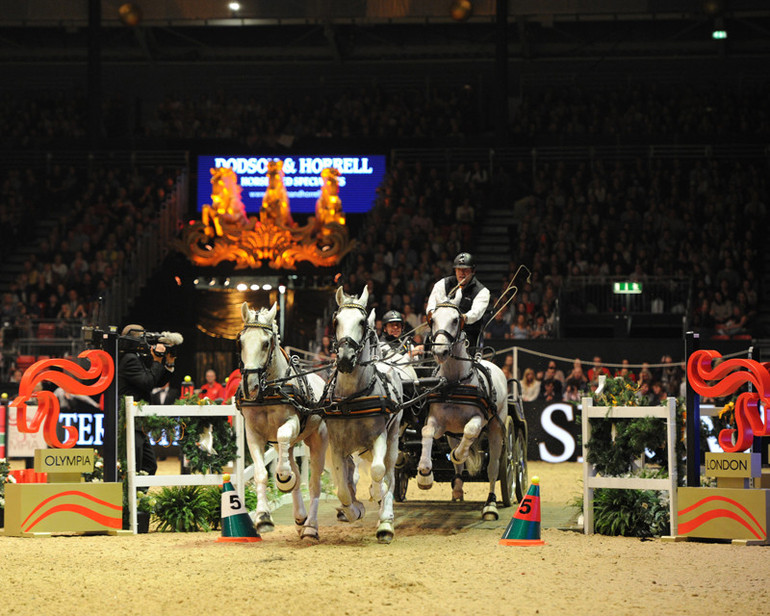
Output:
x=142 y=481
x=591 y=481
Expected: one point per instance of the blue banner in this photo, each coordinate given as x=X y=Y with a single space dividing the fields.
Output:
x=360 y=177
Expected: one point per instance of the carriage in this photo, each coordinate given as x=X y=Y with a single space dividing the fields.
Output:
x=467 y=399
x=513 y=459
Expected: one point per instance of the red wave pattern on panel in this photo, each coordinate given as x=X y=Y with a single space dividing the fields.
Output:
x=98 y=501
x=99 y=518
x=706 y=516
x=726 y=378
x=68 y=376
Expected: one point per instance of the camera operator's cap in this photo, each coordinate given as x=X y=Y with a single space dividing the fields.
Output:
x=135 y=331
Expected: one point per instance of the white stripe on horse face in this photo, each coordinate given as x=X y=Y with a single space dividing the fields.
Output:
x=255 y=347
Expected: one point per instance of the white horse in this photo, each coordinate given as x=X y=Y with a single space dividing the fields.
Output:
x=476 y=396
x=270 y=388
x=364 y=416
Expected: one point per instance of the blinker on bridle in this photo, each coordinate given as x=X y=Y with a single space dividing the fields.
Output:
x=347 y=340
x=260 y=372
x=449 y=336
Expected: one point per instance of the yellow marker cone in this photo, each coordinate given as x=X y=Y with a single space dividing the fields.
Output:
x=524 y=527
x=236 y=523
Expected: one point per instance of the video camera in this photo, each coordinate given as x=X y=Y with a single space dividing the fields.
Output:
x=147 y=341
x=136 y=340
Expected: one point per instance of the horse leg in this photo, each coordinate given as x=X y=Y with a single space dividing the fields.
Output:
x=300 y=514
x=285 y=477
x=470 y=434
x=317 y=443
x=264 y=521
x=457 y=481
x=430 y=431
x=342 y=470
x=385 y=531
x=495 y=437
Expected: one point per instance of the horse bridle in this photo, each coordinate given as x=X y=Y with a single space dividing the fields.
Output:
x=347 y=340
x=450 y=336
x=260 y=372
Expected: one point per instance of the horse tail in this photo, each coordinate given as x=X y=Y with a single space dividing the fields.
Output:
x=474 y=460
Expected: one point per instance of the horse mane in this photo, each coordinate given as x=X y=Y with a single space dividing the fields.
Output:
x=258 y=316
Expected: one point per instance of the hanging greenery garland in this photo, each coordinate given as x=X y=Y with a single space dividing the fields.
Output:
x=615 y=445
x=224 y=447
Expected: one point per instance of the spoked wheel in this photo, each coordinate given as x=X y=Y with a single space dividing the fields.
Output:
x=402 y=481
x=520 y=465
x=507 y=474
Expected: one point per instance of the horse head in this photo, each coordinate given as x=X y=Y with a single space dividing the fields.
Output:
x=351 y=328
x=257 y=344
x=446 y=324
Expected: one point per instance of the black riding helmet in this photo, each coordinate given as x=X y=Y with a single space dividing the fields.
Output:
x=392 y=316
x=464 y=260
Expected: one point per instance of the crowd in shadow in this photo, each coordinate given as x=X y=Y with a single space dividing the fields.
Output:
x=696 y=219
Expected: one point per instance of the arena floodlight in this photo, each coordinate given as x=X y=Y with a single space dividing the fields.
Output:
x=267 y=287
x=254 y=287
x=719 y=35
x=282 y=288
x=234 y=6
x=242 y=286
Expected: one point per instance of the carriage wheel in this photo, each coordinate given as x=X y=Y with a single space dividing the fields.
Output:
x=402 y=480
x=520 y=465
x=507 y=474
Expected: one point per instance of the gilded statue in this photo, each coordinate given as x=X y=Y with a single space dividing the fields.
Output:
x=275 y=203
x=226 y=205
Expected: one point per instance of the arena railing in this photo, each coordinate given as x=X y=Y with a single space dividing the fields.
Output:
x=597 y=294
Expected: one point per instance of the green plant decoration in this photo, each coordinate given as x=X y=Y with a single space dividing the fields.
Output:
x=182 y=509
x=614 y=447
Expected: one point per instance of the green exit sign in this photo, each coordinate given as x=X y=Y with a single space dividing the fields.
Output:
x=627 y=288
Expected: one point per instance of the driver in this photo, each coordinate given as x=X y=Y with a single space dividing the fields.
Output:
x=391 y=341
x=475 y=298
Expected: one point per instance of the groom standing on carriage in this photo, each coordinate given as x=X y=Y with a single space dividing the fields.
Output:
x=475 y=296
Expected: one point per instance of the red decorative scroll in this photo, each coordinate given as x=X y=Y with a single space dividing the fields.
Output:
x=68 y=376
x=726 y=378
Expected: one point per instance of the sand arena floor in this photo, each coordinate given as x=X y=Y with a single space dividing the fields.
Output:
x=444 y=560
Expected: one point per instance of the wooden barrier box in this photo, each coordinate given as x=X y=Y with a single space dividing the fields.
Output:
x=724 y=513
x=40 y=509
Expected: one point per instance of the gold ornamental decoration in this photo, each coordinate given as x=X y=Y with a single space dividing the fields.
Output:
x=225 y=234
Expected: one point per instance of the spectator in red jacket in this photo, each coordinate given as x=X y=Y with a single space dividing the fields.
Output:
x=211 y=389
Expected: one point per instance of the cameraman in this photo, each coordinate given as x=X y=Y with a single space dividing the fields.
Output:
x=142 y=367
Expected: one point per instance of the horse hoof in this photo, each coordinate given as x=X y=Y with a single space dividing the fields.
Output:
x=299 y=525
x=264 y=527
x=309 y=532
x=287 y=484
x=489 y=513
x=350 y=514
x=263 y=523
x=425 y=481
x=457 y=490
x=385 y=533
